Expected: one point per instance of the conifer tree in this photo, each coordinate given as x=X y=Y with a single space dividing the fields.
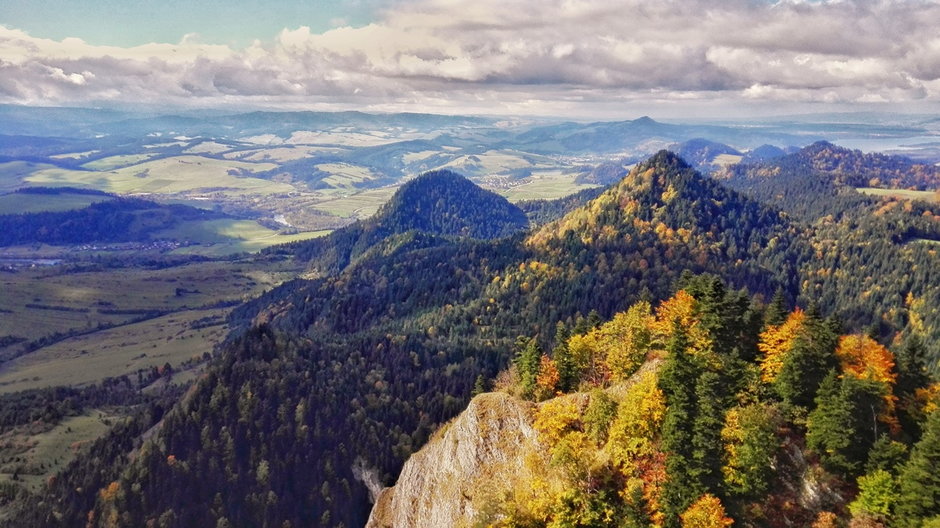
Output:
x=677 y=381
x=811 y=357
x=843 y=427
x=919 y=498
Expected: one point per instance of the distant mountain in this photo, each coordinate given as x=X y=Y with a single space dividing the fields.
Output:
x=763 y=153
x=701 y=153
x=644 y=135
x=438 y=202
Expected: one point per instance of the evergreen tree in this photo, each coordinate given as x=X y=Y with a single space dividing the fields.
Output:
x=777 y=310
x=811 y=357
x=528 y=355
x=911 y=366
x=678 y=381
x=564 y=362
x=919 y=498
x=843 y=427
x=706 y=431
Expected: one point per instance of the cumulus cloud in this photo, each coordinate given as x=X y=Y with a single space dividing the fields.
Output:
x=552 y=54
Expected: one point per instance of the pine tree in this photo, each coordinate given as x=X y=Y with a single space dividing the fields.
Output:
x=843 y=427
x=677 y=381
x=527 y=359
x=706 y=431
x=811 y=357
x=777 y=310
x=564 y=362
x=919 y=498
x=911 y=366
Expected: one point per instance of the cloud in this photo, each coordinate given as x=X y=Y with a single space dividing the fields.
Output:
x=553 y=54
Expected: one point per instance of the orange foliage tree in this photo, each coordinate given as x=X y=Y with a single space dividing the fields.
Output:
x=864 y=358
x=775 y=342
x=546 y=382
x=706 y=512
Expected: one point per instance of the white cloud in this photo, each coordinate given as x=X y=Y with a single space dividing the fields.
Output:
x=525 y=57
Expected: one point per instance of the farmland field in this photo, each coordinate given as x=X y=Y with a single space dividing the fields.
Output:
x=544 y=185
x=166 y=175
x=126 y=349
x=41 y=302
x=359 y=205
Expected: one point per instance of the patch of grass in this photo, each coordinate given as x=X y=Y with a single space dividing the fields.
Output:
x=113 y=162
x=90 y=358
x=928 y=196
x=345 y=175
x=42 y=454
x=20 y=203
x=228 y=236
x=359 y=205
x=725 y=160
x=105 y=294
x=544 y=185
x=14 y=173
x=168 y=175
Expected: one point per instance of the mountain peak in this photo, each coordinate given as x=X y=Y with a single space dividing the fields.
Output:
x=443 y=202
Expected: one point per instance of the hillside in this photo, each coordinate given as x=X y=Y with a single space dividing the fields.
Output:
x=439 y=203
x=329 y=382
x=662 y=428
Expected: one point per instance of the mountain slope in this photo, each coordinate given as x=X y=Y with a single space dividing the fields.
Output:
x=439 y=203
x=357 y=368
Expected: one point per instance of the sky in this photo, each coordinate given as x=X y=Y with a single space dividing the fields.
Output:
x=577 y=58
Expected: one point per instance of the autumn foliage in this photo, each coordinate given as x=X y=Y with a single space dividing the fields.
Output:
x=706 y=512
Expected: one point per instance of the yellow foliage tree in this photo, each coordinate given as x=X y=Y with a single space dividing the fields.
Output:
x=626 y=340
x=556 y=418
x=586 y=351
x=775 y=343
x=639 y=418
x=683 y=308
x=706 y=512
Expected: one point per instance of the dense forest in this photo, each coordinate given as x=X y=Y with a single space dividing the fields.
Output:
x=331 y=381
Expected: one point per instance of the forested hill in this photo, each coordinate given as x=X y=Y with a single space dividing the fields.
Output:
x=869 y=252
x=348 y=374
x=114 y=220
x=439 y=202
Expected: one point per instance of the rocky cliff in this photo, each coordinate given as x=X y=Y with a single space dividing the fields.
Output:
x=474 y=459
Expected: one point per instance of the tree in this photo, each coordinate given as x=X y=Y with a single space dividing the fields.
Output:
x=546 y=382
x=811 y=357
x=567 y=369
x=777 y=309
x=775 y=344
x=864 y=358
x=600 y=413
x=877 y=493
x=843 y=427
x=626 y=339
x=706 y=430
x=527 y=359
x=750 y=444
x=677 y=381
x=919 y=498
x=706 y=512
